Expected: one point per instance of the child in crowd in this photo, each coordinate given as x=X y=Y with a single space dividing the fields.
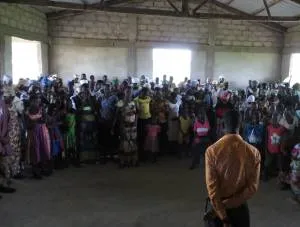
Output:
x=254 y=131
x=143 y=103
x=185 y=125
x=201 y=141
x=274 y=135
x=57 y=144
x=173 y=125
x=151 y=141
x=72 y=153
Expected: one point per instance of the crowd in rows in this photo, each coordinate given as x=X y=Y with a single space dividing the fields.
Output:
x=46 y=125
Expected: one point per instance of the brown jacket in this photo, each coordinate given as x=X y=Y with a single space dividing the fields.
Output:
x=232 y=169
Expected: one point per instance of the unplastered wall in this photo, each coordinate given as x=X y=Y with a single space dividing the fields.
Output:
x=142 y=33
x=86 y=59
x=24 y=22
x=239 y=67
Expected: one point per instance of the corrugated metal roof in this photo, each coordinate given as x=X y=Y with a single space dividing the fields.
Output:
x=284 y=8
x=248 y=6
x=71 y=1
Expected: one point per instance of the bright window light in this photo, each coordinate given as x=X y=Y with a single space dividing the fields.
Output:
x=294 y=74
x=172 y=62
x=26 y=59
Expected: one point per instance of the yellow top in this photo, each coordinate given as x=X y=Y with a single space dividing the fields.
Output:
x=143 y=106
x=185 y=124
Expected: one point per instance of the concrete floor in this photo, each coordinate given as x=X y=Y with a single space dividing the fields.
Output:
x=160 y=195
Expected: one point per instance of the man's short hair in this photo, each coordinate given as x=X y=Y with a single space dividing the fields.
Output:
x=232 y=120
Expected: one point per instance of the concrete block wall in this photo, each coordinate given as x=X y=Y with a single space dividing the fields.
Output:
x=24 y=18
x=142 y=33
x=168 y=29
x=292 y=38
x=91 y=26
x=23 y=22
x=243 y=33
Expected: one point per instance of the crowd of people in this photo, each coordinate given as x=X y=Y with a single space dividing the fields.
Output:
x=47 y=126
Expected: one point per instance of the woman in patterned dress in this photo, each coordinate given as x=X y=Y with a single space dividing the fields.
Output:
x=127 y=117
x=14 y=133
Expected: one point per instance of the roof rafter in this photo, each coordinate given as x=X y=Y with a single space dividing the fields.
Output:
x=273 y=3
x=185 y=7
x=229 y=2
x=267 y=8
x=173 y=6
x=238 y=15
x=269 y=24
x=296 y=1
x=202 y=3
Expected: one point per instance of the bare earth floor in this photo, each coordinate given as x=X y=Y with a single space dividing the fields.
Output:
x=166 y=194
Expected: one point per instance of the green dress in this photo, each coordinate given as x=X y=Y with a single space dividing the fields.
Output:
x=70 y=138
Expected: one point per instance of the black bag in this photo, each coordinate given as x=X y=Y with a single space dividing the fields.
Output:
x=210 y=218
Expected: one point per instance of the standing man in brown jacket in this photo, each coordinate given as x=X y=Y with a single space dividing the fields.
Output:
x=232 y=169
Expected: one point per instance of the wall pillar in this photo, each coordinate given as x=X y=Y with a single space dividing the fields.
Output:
x=132 y=37
x=2 y=46
x=8 y=55
x=131 y=60
x=210 y=53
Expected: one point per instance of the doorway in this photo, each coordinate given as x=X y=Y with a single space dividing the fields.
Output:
x=26 y=59
x=172 y=62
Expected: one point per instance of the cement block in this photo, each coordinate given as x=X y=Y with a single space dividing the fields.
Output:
x=237 y=43
x=203 y=30
x=247 y=43
x=115 y=19
x=157 y=21
x=226 y=43
x=4 y=20
x=257 y=44
x=102 y=17
x=152 y=28
x=142 y=27
x=231 y=38
x=13 y=23
x=193 y=30
x=68 y=28
x=267 y=44
x=80 y=29
x=184 y=29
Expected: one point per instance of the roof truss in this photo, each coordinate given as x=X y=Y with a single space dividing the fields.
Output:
x=112 y=6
